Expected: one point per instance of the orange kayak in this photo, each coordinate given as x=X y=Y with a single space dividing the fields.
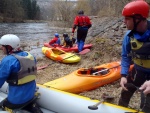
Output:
x=87 y=79
x=60 y=55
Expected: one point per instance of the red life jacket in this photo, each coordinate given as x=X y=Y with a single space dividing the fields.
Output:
x=82 y=21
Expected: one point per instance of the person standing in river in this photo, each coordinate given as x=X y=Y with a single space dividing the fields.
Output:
x=83 y=23
x=135 y=47
x=18 y=69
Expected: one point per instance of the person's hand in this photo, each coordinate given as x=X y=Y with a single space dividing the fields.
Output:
x=145 y=87
x=123 y=82
x=72 y=35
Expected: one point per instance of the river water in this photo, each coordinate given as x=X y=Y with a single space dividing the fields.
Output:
x=32 y=35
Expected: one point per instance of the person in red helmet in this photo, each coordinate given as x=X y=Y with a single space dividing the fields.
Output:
x=83 y=23
x=135 y=49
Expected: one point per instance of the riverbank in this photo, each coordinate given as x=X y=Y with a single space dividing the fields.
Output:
x=106 y=36
x=102 y=52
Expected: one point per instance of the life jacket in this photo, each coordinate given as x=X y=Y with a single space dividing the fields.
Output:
x=83 y=21
x=140 y=51
x=67 y=42
x=27 y=72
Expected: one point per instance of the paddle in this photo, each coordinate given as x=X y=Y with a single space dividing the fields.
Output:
x=105 y=97
x=104 y=70
x=45 y=66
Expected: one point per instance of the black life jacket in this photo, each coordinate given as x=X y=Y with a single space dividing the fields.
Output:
x=140 y=51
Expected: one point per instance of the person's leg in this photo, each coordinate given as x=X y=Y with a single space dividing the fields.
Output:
x=7 y=106
x=70 y=43
x=30 y=106
x=33 y=108
x=146 y=106
x=67 y=43
x=83 y=34
x=125 y=98
x=137 y=78
x=80 y=46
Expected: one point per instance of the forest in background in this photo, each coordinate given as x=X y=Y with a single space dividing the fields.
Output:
x=59 y=10
x=19 y=9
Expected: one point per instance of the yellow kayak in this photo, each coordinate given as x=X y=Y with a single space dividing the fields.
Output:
x=60 y=55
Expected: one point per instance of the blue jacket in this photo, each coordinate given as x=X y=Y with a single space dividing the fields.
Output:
x=126 y=48
x=16 y=94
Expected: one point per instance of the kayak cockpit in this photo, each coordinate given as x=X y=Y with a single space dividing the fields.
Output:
x=93 y=72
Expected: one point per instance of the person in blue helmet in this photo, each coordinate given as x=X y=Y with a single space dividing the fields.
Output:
x=55 y=40
x=136 y=50
x=18 y=69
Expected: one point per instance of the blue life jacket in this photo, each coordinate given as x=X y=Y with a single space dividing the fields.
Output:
x=58 y=41
x=16 y=94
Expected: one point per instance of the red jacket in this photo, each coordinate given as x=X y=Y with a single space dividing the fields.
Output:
x=81 y=21
x=53 y=41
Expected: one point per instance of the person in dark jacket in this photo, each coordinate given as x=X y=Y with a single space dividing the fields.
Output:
x=83 y=23
x=19 y=69
x=135 y=48
x=67 y=41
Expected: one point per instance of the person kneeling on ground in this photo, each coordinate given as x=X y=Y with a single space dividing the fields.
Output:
x=55 y=40
x=67 y=41
x=15 y=68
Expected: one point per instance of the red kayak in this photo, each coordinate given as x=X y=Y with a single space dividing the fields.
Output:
x=69 y=49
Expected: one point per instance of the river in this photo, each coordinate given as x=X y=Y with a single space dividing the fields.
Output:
x=32 y=35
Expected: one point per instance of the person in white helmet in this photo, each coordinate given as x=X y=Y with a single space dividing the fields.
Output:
x=18 y=69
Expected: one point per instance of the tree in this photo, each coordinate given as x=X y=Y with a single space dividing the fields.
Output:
x=64 y=11
x=31 y=8
x=12 y=9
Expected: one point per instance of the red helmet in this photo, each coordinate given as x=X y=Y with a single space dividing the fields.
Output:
x=136 y=7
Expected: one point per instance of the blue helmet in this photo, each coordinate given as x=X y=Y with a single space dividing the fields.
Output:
x=56 y=35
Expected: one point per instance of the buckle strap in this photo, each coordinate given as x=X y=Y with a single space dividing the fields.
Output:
x=144 y=57
x=138 y=56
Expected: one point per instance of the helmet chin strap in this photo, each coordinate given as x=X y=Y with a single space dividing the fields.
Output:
x=136 y=23
x=8 y=49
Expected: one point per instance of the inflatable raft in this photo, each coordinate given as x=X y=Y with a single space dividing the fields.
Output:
x=87 y=79
x=70 y=49
x=60 y=55
x=56 y=101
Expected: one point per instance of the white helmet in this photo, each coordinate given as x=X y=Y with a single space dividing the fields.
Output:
x=11 y=40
